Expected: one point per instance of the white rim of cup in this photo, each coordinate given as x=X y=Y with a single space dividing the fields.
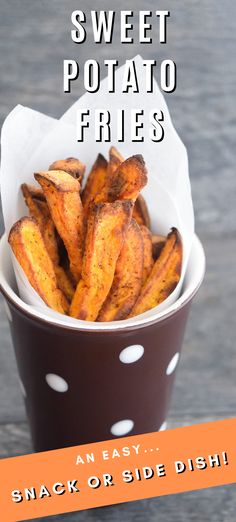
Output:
x=88 y=326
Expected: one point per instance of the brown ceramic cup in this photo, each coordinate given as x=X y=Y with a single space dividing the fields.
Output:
x=83 y=386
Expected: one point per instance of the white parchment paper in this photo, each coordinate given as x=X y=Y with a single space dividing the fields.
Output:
x=30 y=141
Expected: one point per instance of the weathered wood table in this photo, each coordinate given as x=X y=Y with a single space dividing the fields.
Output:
x=35 y=38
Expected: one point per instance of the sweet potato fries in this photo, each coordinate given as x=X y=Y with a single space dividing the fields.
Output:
x=89 y=251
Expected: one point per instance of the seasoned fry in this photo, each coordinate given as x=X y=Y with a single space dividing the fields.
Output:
x=28 y=246
x=34 y=191
x=125 y=182
x=62 y=194
x=128 y=179
x=141 y=213
x=115 y=159
x=104 y=263
x=127 y=280
x=164 y=276
x=95 y=182
x=36 y=203
x=107 y=224
x=39 y=210
x=157 y=245
x=147 y=253
x=72 y=166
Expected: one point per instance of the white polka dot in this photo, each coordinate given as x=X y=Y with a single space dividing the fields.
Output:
x=8 y=311
x=56 y=382
x=172 y=364
x=163 y=426
x=22 y=388
x=122 y=427
x=131 y=354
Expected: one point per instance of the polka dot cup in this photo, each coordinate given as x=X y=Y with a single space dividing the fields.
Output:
x=84 y=385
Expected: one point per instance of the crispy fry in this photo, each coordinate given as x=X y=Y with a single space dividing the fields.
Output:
x=107 y=224
x=72 y=166
x=127 y=280
x=140 y=212
x=95 y=182
x=128 y=179
x=157 y=245
x=147 y=253
x=28 y=246
x=115 y=159
x=39 y=210
x=62 y=194
x=164 y=276
x=34 y=191
x=36 y=203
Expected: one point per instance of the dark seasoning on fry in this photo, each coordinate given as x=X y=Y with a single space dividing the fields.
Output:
x=89 y=252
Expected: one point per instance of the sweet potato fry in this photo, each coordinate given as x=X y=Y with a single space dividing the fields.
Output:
x=147 y=253
x=115 y=160
x=127 y=280
x=62 y=194
x=95 y=182
x=28 y=246
x=157 y=245
x=36 y=203
x=128 y=179
x=72 y=166
x=107 y=224
x=39 y=210
x=140 y=212
x=34 y=191
x=164 y=276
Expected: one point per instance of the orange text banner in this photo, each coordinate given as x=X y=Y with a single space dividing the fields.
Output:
x=118 y=470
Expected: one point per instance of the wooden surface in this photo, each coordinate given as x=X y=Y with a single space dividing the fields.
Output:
x=34 y=40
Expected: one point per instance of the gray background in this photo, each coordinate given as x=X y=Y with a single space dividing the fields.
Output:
x=35 y=38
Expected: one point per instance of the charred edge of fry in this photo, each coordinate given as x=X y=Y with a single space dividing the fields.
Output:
x=37 y=266
x=141 y=213
x=115 y=154
x=158 y=242
x=115 y=159
x=97 y=208
x=128 y=180
x=95 y=182
x=35 y=192
x=61 y=180
x=72 y=166
x=164 y=276
x=38 y=208
x=100 y=163
x=35 y=202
